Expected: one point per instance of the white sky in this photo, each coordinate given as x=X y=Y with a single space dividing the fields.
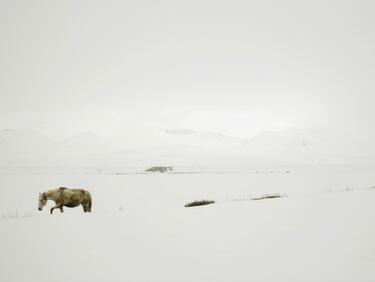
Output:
x=237 y=67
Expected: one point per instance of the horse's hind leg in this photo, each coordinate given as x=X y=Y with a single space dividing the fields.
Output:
x=89 y=205
x=84 y=207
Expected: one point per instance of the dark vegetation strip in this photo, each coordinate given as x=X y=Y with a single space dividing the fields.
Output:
x=199 y=203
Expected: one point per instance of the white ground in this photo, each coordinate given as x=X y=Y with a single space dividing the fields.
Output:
x=139 y=230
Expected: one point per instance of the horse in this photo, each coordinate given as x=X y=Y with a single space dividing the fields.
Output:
x=66 y=197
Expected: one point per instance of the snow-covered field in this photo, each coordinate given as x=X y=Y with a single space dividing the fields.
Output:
x=139 y=230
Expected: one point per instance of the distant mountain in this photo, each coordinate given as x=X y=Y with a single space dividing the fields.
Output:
x=25 y=147
x=206 y=138
x=89 y=142
x=171 y=146
x=32 y=148
x=312 y=146
x=24 y=139
x=282 y=140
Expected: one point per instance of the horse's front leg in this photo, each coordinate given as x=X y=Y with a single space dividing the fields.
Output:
x=57 y=207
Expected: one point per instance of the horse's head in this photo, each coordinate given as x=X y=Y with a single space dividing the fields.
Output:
x=42 y=201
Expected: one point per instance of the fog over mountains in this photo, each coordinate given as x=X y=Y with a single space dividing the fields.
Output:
x=184 y=146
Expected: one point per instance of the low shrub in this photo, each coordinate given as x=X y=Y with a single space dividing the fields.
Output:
x=199 y=203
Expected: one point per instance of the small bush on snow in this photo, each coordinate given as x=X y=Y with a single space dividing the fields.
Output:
x=199 y=203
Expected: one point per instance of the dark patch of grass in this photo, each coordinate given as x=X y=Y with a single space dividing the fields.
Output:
x=267 y=196
x=199 y=203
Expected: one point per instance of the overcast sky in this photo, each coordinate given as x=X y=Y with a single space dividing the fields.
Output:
x=237 y=67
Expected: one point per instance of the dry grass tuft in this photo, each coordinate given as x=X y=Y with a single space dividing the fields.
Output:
x=267 y=196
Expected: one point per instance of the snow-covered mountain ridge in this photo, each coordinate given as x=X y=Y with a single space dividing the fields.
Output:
x=296 y=146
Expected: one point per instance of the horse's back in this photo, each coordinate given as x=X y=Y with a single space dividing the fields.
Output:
x=74 y=195
x=82 y=193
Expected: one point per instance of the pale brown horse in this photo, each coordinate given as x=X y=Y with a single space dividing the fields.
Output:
x=66 y=197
